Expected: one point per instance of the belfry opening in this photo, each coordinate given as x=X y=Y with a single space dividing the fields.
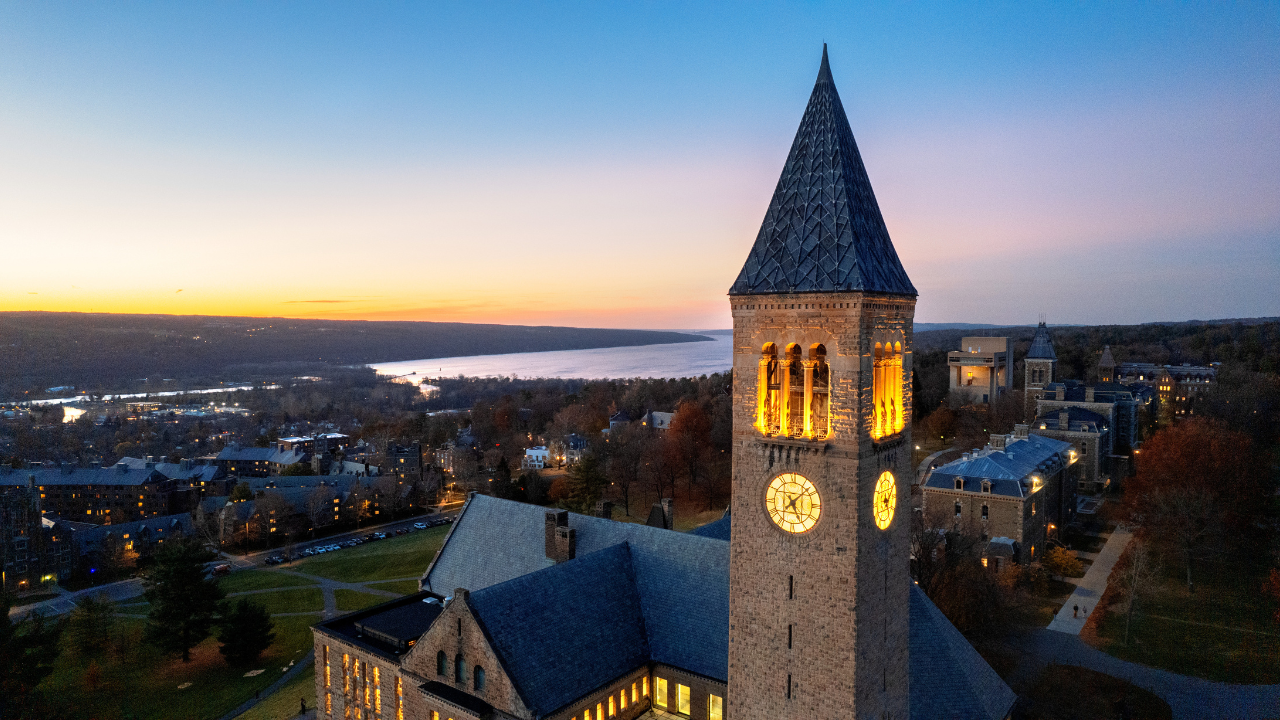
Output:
x=794 y=392
x=887 y=414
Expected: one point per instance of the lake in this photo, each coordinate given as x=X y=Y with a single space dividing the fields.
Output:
x=642 y=361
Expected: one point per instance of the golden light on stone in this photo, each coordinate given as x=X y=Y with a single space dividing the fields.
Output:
x=885 y=499
x=793 y=503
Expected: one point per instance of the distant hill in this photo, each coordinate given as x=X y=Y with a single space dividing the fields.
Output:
x=102 y=351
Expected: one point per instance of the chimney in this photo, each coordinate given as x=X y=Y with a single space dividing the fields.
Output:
x=1088 y=394
x=1064 y=419
x=1021 y=430
x=669 y=513
x=1061 y=393
x=151 y=464
x=122 y=468
x=555 y=519
x=95 y=465
x=566 y=544
x=997 y=442
x=185 y=464
x=66 y=468
x=151 y=459
x=604 y=509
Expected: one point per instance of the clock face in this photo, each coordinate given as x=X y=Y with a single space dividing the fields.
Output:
x=885 y=499
x=793 y=503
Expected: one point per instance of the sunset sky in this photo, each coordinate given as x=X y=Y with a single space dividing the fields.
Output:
x=601 y=164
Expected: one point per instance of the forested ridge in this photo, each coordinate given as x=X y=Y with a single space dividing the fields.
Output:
x=93 y=351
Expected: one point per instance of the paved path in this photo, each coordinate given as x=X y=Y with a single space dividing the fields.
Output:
x=113 y=592
x=1190 y=698
x=1089 y=589
x=926 y=463
x=327 y=587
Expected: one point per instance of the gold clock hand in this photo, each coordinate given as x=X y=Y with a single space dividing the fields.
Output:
x=794 y=500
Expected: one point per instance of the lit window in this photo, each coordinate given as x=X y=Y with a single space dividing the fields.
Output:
x=634 y=695
x=660 y=693
x=888 y=415
x=613 y=708
x=377 y=690
x=328 y=704
x=400 y=702
x=600 y=710
x=622 y=699
x=644 y=686
x=715 y=707
x=346 y=680
x=682 y=699
x=586 y=714
x=326 y=666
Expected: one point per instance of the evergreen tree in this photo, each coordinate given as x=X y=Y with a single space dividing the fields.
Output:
x=245 y=632
x=91 y=626
x=184 y=603
x=241 y=491
x=586 y=483
x=27 y=651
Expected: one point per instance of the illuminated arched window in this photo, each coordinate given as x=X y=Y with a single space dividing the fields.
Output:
x=888 y=416
x=818 y=400
x=793 y=415
x=767 y=390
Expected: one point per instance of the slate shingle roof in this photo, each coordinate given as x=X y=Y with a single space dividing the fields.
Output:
x=567 y=630
x=1006 y=469
x=823 y=231
x=113 y=475
x=681 y=584
x=1078 y=419
x=1041 y=345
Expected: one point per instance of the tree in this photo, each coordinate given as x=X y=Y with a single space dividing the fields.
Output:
x=629 y=447
x=586 y=482
x=689 y=440
x=184 y=603
x=245 y=632
x=91 y=626
x=241 y=492
x=297 y=470
x=1062 y=562
x=28 y=649
x=1198 y=482
x=318 y=507
x=1271 y=588
x=1137 y=572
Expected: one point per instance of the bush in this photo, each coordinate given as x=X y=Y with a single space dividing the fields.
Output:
x=1062 y=562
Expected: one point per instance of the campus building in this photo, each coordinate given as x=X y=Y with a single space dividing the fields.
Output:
x=99 y=495
x=797 y=604
x=982 y=369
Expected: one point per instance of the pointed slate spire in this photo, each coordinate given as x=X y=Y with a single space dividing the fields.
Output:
x=823 y=231
x=1041 y=345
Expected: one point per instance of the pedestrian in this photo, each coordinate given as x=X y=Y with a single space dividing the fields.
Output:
x=303 y=711
x=1075 y=611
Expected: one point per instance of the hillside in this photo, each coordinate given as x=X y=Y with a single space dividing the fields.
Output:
x=104 y=351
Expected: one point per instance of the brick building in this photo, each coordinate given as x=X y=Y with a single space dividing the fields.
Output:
x=99 y=495
x=258 y=462
x=1020 y=486
x=33 y=548
x=797 y=604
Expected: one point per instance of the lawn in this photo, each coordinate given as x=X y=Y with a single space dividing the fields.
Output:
x=244 y=580
x=1223 y=631
x=352 y=600
x=289 y=601
x=1065 y=692
x=283 y=703
x=135 y=680
x=404 y=587
x=391 y=559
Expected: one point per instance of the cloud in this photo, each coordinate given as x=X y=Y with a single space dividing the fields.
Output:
x=175 y=292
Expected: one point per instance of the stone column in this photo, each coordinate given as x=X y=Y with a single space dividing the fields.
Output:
x=784 y=402
x=808 y=397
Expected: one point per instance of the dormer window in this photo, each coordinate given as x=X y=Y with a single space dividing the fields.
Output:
x=986 y=486
x=959 y=483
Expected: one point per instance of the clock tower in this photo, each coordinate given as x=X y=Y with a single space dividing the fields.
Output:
x=822 y=318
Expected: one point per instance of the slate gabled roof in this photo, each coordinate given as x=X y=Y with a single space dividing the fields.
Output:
x=949 y=679
x=1041 y=345
x=823 y=231
x=568 y=630
x=1006 y=469
x=681 y=582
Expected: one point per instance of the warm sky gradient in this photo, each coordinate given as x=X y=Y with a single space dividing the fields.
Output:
x=602 y=164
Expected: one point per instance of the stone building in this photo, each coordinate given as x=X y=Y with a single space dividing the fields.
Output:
x=1020 y=486
x=1040 y=367
x=33 y=549
x=797 y=604
x=99 y=495
x=982 y=369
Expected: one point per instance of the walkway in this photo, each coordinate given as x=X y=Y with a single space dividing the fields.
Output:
x=67 y=601
x=304 y=663
x=1190 y=698
x=1089 y=589
x=925 y=464
x=327 y=587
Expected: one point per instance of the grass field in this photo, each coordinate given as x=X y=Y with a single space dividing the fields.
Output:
x=136 y=680
x=245 y=580
x=352 y=600
x=404 y=587
x=289 y=600
x=391 y=559
x=1223 y=631
x=1064 y=692
x=283 y=703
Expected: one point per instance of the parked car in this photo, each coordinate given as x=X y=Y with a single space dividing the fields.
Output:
x=219 y=570
x=419 y=526
x=379 y=536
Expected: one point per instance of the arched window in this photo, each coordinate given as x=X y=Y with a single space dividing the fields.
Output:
x=793 y=416
x=478 y=679
x=818 y=400
x=442 y=664
x=888 y=412
x=459 y=669
x=767 y=389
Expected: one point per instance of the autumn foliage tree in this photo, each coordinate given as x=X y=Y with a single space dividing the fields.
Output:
x=1199 y=484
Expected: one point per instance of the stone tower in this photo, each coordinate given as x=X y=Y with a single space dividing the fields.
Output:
x=1041 y=365
x=822 y=317
x=1107 y=365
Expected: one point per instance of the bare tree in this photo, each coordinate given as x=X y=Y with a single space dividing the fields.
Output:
x=318 y=505
x=1137 y=573
x=626 y=462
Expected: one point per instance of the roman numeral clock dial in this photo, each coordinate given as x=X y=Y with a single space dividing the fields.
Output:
x=793 y=503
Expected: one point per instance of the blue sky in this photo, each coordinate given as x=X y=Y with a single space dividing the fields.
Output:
x=609 y=164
